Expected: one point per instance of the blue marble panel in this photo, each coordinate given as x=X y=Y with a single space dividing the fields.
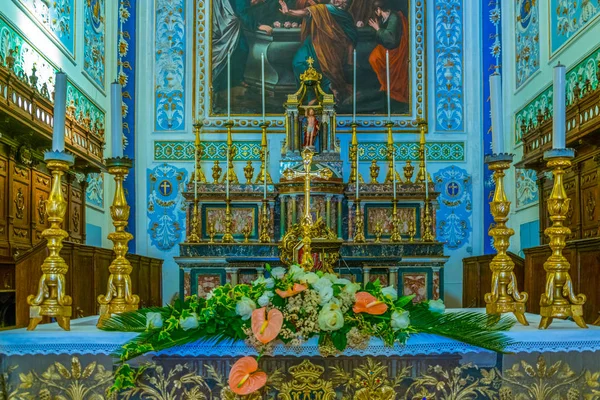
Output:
x=94 y=192
x=455 y=206
x=169 y=67
x=526 y=187
x=56 y=17
x=166 y=205
x=568 y=18
x=126 y=55
x=94 y=41
x=449 y=59
x=527 y=39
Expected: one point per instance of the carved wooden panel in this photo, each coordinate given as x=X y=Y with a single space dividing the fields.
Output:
x=4 y=250
x=19 y=204
x=75 y=223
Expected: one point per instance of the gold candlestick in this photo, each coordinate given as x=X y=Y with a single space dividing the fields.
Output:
x=395 y=237
x=227 y=236
x=50 y=299
x=216 y=171
x=359 y=225
x=408 y=171
x=374 y=171
x=354 y=157
x=198 y=149
x=412 y=230
x=247 y=231
x=264 y=171
x=378 y=232
x=119 y=297
x=264 y=224
x=559 y=299
x=428 y=235
x=391 y=152
x=505 y=296
x=233 y=179
x=422 y=174
x=211 y=231
x=248 y=172
x=193 y=236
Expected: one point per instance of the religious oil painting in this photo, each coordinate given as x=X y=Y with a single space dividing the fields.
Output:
x=379 y=219
x=243 y=220
x=291 y=34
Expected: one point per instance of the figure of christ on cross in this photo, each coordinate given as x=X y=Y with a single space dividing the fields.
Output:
x=328 y=36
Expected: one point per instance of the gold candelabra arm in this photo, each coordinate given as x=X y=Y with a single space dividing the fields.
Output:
x=559 y=300
x=119 y=295
x=504 y=296
x=265 y=237
x=51 y=299
x=359 y=228
x=227 y=235
x=395 y=237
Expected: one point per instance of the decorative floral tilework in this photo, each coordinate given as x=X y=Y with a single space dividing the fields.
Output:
x=568 y=18
x=526 y=187
x=527 y=39
x=94 y=192
x=211 y=151
x=455 y=206
x=436 y=151
x=94 y=19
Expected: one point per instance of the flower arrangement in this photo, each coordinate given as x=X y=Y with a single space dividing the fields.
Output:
x=292 y=306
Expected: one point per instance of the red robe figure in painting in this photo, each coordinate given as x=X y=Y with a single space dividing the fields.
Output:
x=391 y=31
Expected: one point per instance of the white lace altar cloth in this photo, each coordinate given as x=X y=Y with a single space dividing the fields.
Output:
x=85 y=338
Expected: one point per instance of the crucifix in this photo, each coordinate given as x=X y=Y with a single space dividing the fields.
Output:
x=307 y=221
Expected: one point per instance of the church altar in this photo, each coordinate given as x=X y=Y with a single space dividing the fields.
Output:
x=44 y=363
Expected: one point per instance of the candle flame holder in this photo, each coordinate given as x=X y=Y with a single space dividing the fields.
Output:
x=559 y=300
x=50 y=299
x=504 y=296
x=119 y=297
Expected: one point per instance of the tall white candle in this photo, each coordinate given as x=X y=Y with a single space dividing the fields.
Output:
x=227 y=176
x=265 y=171
x=228 y=86
x=394 y=171
x=497 y=118
x=560 y=108
x=426 y=175
x=262 y=59
x=116 y=120
x=356 y=177
x=354 y=90
x=60 y=109
x=387 y=77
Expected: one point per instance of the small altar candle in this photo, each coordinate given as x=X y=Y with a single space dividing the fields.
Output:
x=394 y=171
x=262 y=59
x=227 y=175
x=265 y=171
x=117 y=120
x=354 y=90
x=426 y=180
x=60 y=109
x=357 y=181
x=387 y=78
x=497 y=118
x=228 y=86
x=560 y=108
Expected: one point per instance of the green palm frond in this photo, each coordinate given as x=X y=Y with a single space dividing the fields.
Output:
x=474 y=328
x=132 y=321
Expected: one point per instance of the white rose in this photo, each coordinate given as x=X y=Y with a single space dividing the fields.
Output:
x=400 y=320
x=269 y=283
x=437 y=306
x=331 y=317
x=265 y=299
x=390 y=292
x=352 y=288
x=244 y=308
x=154 y=320
x=259 y=281
x=321 y=283
x=297 y=272
x=342 y=281
x=311 y=278
x=278 y=272
x=188 y=323
x=326 y=294
x=331 y=277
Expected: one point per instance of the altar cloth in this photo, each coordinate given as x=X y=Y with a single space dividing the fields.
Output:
x=85 y=338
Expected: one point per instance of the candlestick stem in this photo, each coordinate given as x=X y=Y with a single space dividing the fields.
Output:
x=227 y=235
x=264 y=171
x=428 y=234
x=395 y=237
x=195 y=222
x=265 y=237
x=359 y=231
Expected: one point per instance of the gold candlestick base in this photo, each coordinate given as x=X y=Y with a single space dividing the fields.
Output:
x=119 y=297
x=395 y=237
x=505 y=296
x=227 y=236
x=50 y=299
x=559 y=299
x=264 y=224
x=428 y=235
x=193 y=236
x=359 y=225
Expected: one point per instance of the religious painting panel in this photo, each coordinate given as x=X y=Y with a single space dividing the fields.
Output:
x=287 y=38
x=244 y=221
x=415 y=283
x=378 y=220
x=94 y=41
x=568 y=19
x=56 y=18
x=527 y=40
